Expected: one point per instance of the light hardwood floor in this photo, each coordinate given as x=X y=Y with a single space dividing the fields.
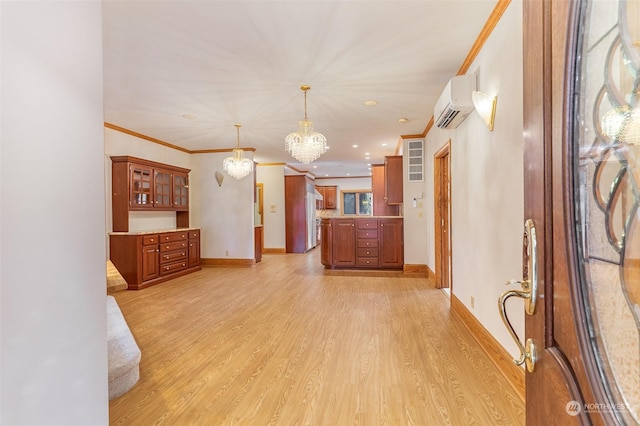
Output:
x=283 y=343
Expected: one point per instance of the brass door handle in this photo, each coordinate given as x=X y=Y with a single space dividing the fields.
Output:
x=529 y=293
x=528 y=353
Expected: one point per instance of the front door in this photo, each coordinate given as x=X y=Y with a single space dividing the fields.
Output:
x=582 y=194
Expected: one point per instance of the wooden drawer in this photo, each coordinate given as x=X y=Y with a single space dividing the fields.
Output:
x=170 y=268
x=173 y=256
x=173 y=236
x=372 y=262
x=367 y=233
x=367 y=243
x=194 y=233
x=367 y=252
x=367 y=223
x=175 y=245
x=148 y=240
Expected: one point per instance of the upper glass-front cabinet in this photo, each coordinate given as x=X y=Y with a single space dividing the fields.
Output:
x=141 y=186
x=180 y=191
x=162 y=182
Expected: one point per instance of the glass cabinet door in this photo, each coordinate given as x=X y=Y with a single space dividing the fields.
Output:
x=141 y=189
x=180 y=191
x=163 y=189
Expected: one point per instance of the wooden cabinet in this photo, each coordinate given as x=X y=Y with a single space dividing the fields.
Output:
x=257 y=238
x=344 y=242
x=174 y=252
x=367 y=246
x=181 y=191
x=300 y=213
x=391 y=243
x=380 y=206
x=393 y=179
x=150 y=258
x=147 y=259
x=329 y=197
x=139 y=184
x=372 y=243
x=326 y=244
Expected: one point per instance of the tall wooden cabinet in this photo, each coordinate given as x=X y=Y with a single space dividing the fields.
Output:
x=300 y=213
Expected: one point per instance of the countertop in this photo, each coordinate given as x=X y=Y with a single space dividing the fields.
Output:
x=362 y=217
x=155 y=231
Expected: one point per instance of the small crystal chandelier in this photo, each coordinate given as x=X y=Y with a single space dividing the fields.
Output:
x=305 y=145
x=237 y=166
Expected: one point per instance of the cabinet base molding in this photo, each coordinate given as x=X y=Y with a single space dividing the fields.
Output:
x=278 y=250
x=498 y=355
x=227 y=262
x=416 y=270
x=149 y=283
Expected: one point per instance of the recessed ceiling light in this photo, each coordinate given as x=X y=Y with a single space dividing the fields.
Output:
x=370 y=103
x=355 y=146
x=348 y=174
x=403 y=120
x=315 y=167
x=384 y=144
x=366 y=153
x=189 y=116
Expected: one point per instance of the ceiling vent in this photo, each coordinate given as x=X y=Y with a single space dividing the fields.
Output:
x=454 y=105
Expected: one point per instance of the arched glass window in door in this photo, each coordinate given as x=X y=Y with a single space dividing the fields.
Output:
x=606 y=195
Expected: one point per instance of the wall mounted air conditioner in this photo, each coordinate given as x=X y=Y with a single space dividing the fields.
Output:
x=454 y=104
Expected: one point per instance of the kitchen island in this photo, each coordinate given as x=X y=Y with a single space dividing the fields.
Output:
x=371 y=242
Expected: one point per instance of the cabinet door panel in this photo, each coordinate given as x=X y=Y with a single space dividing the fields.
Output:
x=194 y=252
x=326 y=243
x=344 y=242
x=330 y=197
x=150 y=263
x=162 y=181
x=393 y=179
x=391 y=244
x=140 y=187
x=180 y=191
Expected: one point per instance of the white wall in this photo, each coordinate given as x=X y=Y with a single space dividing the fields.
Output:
x=272 y=176
x=416 y=219
x=487 y=184
x=225 y=212
x=53 y=342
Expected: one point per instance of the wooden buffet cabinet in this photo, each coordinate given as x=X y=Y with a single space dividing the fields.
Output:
x=371 y=243
x=151 y=257
x=148 y=258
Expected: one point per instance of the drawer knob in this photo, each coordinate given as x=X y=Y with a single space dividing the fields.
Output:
x=367 y=252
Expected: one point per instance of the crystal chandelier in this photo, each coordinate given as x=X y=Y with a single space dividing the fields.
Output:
x=237 y=166
x=305 y=145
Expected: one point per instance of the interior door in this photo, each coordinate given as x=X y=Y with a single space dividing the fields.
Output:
x=582 y=240
x=442 y=216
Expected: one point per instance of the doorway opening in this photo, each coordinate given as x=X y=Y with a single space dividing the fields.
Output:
x=442 y=228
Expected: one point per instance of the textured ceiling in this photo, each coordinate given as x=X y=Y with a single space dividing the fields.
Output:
x=228 y=62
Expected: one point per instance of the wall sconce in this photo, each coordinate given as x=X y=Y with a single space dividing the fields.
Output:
x=486 y=107
x=219 y=178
